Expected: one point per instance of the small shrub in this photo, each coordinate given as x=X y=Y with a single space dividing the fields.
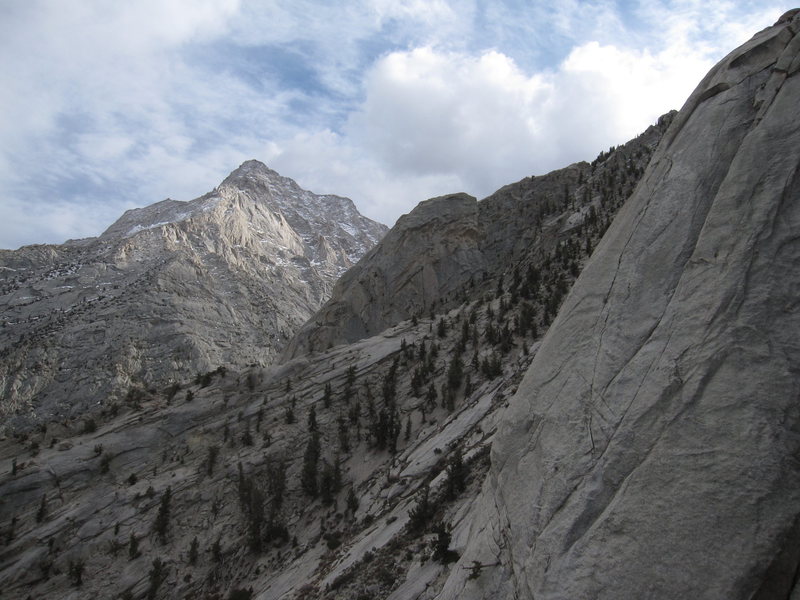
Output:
x=156 y=576
x=105 y=463
x=333 y=540
x=42 y=512
x=75 y=571
x=133 y=547
x=193 y=552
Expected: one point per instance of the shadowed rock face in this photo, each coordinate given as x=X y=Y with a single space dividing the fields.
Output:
x=652 y=448
x=427 y=254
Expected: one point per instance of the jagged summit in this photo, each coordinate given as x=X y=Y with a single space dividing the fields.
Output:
x=171 y=288
x=635 y=437
x=254 y=170
x=315 y=217
x=155 y=215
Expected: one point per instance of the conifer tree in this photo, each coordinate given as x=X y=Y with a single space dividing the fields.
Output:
x=193 y=549
x=162 y=518
x=312 y=419
x=327 y=396
x=308 y=475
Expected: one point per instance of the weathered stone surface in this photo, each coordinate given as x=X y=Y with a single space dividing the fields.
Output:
x=652 y=448
x=427 y=254
x=169 y=291
x=440 y=253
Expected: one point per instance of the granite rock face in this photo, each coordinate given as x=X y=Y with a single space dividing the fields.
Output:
x=651 y=451
x=443 y=251
x=169 y=291
x=428 y=253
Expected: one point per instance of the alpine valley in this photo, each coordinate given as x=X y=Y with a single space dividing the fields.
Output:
x=582 y=386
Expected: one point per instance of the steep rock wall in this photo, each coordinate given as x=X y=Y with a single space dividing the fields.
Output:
x=427 y=254
x=652 y=448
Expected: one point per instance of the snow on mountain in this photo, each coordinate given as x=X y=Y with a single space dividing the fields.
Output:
x=170 y=290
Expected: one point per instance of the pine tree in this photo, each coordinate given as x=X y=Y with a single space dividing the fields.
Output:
x=344 y=434
x=193 y=548
x=247 y=438
x=328 y=484
x=431 y=396
x=327 y=396
x=441 y=328
x=156 y=576
x=75 y=571
x=455 y=372
x=276 y=482
x=312 y=419
x=42 y=512
x=133 y=547
x=456 y=475
x=211 y=460
x=419 y=515
x=162 y=518
x=216 y=551
x=441 y=545
x=308 y=475
x=352 y=501
x=255 y=515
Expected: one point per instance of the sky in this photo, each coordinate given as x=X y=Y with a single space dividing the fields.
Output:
x=108 y=105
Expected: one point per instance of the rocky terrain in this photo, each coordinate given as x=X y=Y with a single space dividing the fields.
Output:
x=652 y=448
x=461 y=421
x=169 y=291
x=452 y=248
x=324 y=505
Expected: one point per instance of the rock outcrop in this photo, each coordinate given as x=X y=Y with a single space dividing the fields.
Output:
x=426 y=255
x=386 y=422
x=646 y=447
x=652 y=448
x=170 y=291
x=447 y=248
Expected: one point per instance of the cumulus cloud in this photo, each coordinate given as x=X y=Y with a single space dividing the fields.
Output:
x=486 y=122
x=112 y=105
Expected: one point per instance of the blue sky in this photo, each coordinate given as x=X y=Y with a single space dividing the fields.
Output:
x=109 y=105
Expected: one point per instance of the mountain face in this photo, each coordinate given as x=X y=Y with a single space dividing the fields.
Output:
x=651 y=449
x=170 y=291
x=457 y=423
x=448 y=248
x=336 y=474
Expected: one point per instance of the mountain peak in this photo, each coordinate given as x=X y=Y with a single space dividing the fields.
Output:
x=254 y=171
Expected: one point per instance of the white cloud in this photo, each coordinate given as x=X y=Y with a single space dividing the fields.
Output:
x=428 y=112
x=483 y=120
x=328 y=163
x=107 y=105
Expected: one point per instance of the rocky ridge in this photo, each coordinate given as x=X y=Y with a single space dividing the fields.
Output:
x=399 y=417
x=654 y=423
x=168 y=291
x=651 y=449
x=448 y=248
